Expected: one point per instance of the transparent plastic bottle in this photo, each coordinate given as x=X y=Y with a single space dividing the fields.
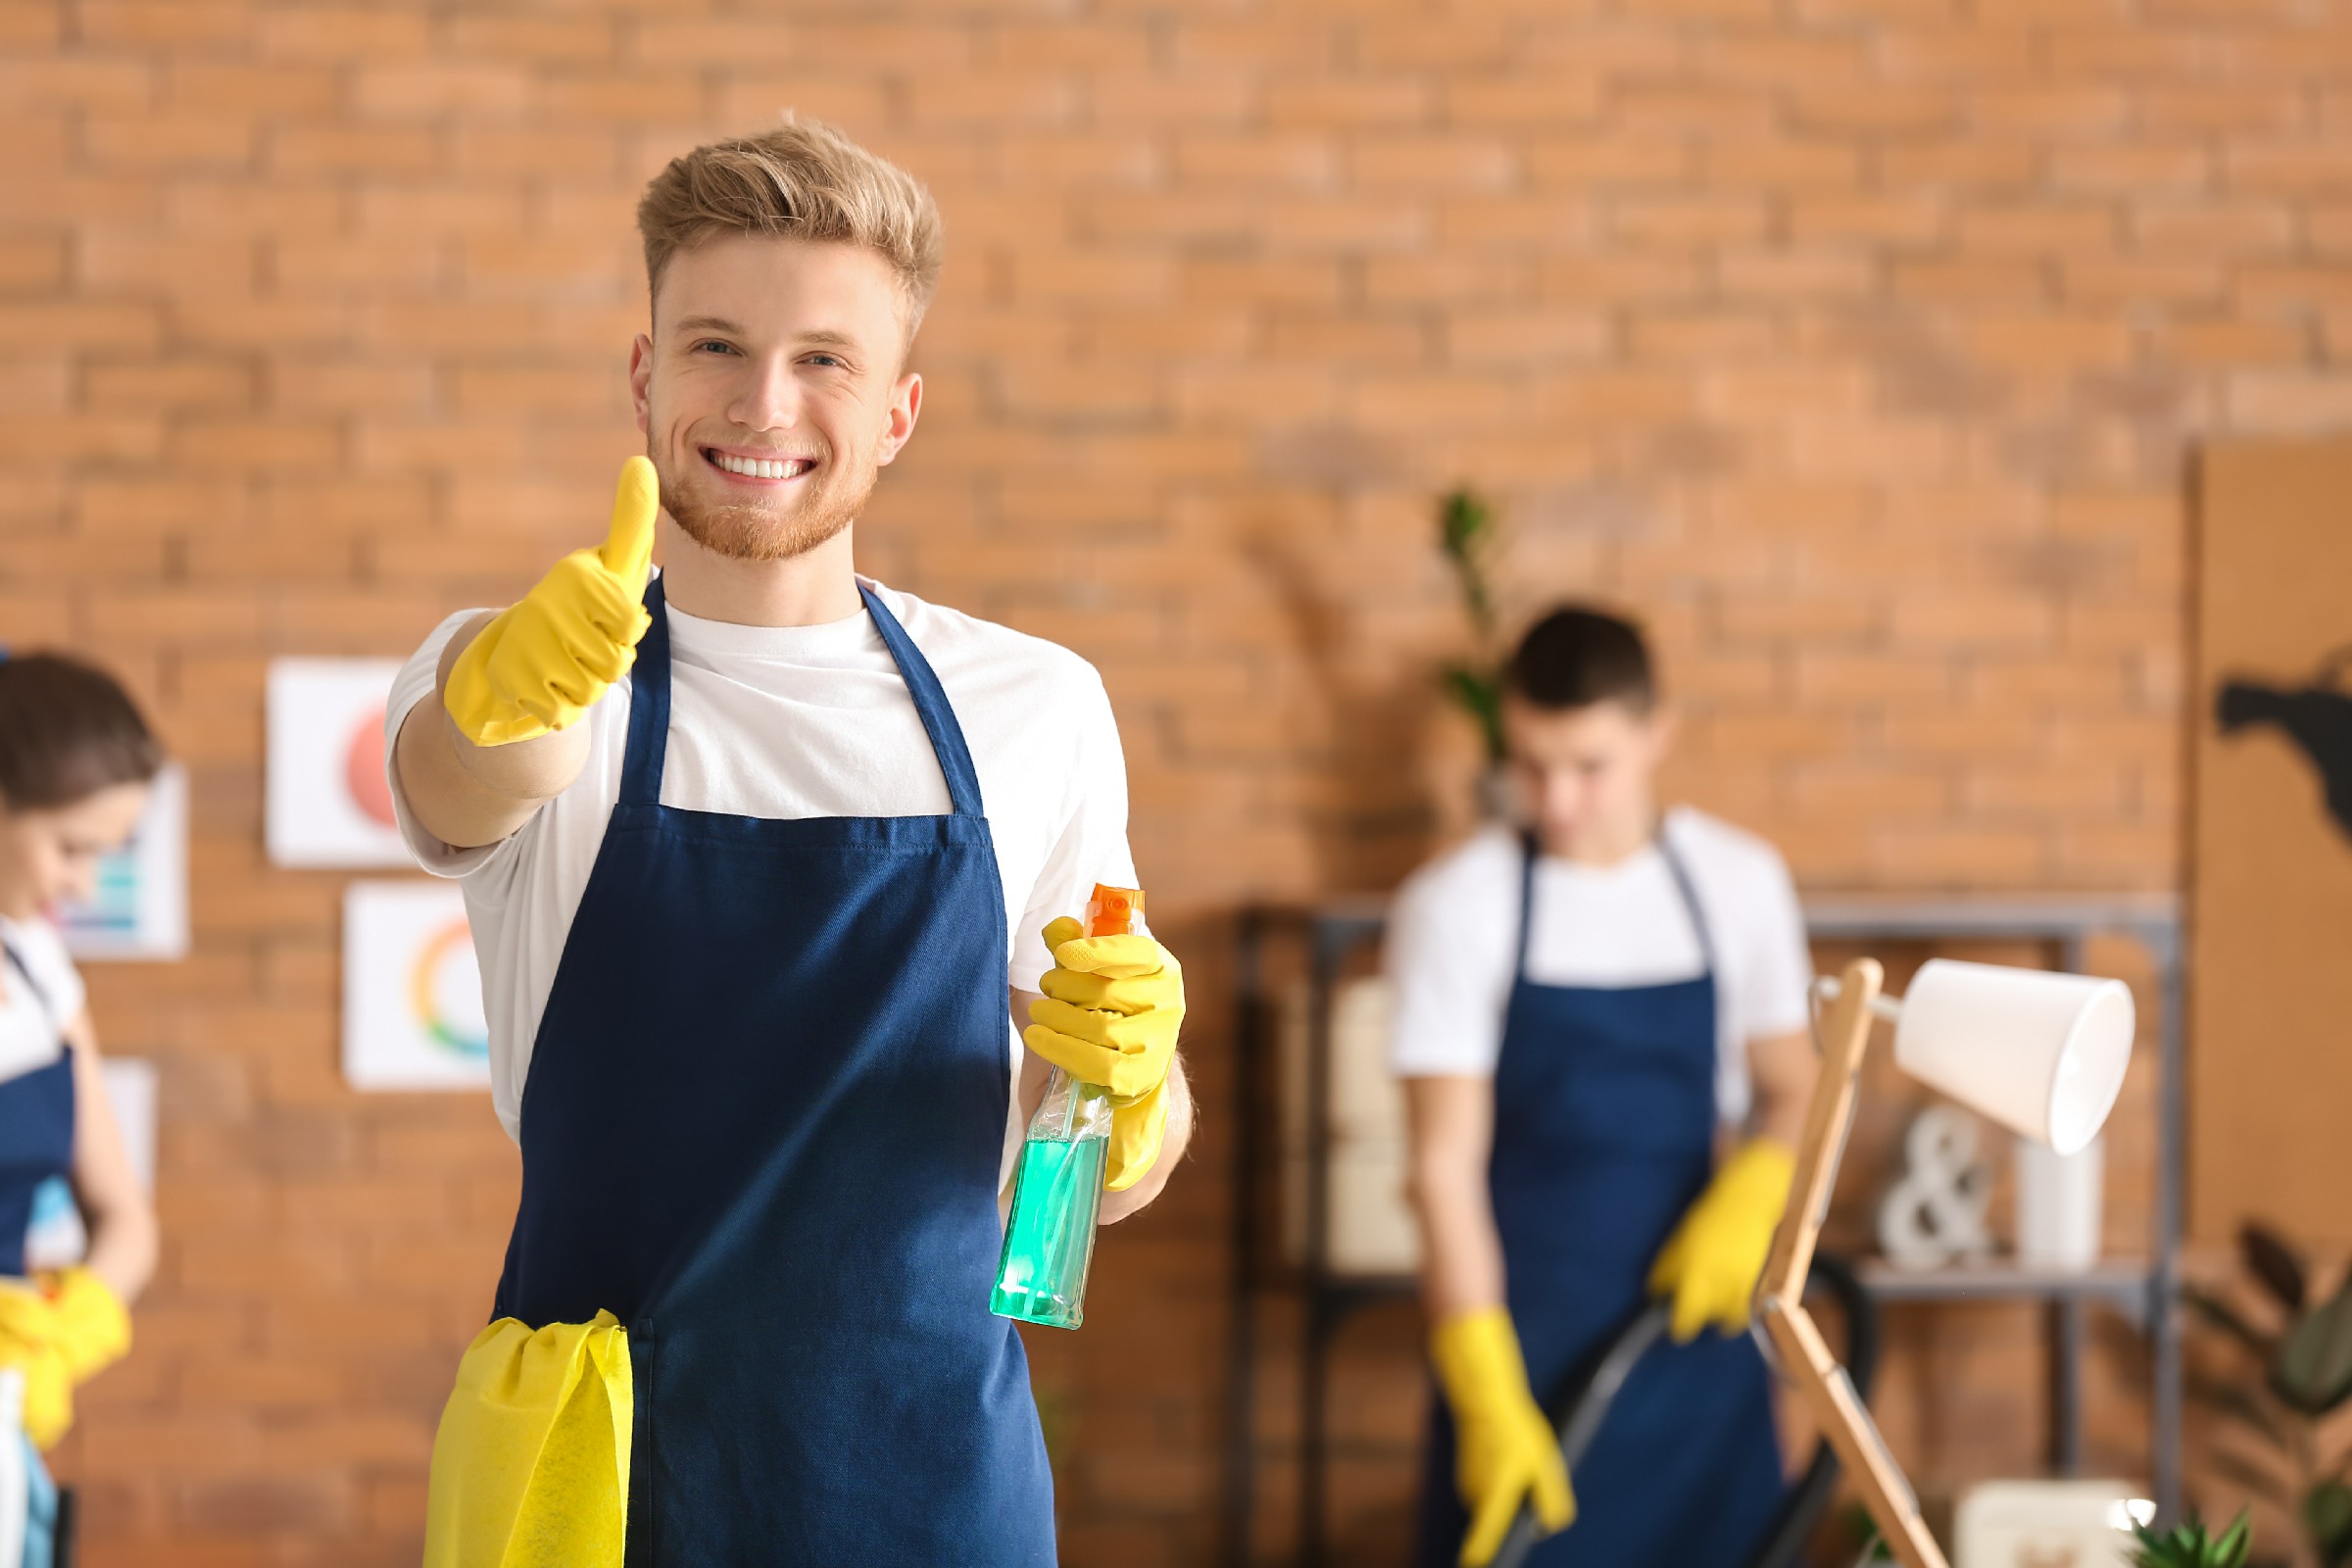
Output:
x=1058 y=1189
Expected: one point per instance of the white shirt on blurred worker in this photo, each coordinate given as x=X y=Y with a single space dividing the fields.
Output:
x=1454 y=933
x=32 y=1017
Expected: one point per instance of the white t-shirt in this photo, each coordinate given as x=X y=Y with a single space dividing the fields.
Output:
x=801 y=722
x=30 y=1023
x=1454 y=931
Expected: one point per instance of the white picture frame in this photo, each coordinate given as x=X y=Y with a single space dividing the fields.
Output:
x=330 y=800
x=413 y=1014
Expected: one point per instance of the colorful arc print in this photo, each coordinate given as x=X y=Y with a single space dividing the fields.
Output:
x=453 y=941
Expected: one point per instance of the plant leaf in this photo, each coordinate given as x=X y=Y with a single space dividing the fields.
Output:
x=2239 y=1404
x=1465 y=532
x=1463 y=522
x=2222 y=1315
x=2230 y=1552
x=2235 y=1467
x=2328 y=1515
x=2277 y=1264
x=1479 y=694
x=2314 y=1369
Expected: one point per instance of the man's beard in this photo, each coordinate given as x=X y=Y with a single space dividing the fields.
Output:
x=748 y=531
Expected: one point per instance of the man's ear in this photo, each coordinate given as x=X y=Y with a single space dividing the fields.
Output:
x=1665 y=723
x=905 y=407
x=641 y=377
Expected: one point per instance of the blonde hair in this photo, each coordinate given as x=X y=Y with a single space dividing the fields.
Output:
x=801 y=179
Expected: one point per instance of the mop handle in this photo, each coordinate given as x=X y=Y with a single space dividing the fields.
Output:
x=1586 y=1410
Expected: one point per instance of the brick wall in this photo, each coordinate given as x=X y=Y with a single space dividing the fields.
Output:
x=1860 y=342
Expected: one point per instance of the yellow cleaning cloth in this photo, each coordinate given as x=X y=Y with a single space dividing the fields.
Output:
x=60 y=1329
x=531 y=1464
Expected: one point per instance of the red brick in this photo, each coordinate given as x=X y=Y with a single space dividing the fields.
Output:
x=111 y=81
x=214 y=384
x=315 y=32
x=745 y=102
x=1397 y=100
x=1257 y=162
x=237 y=87
x=502 y=151
x=342 y=149
x=31 y=262
x=330 y=265
x=169 y=23
x=170 y=139
x=405 y=90
x=35 y=384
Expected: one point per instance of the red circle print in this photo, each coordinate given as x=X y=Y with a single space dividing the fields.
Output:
x=363 y=770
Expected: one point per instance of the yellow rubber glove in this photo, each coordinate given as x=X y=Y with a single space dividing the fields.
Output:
x=550 y=654
x=531 y=1462
x=1109 y=1016
x=60 y=1331
x=1710 y=1263
x=1505 y=1451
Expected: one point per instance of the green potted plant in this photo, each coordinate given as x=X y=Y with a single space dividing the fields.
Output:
x=2187 y=1545
x=1466 y=537
x=2293 y=1355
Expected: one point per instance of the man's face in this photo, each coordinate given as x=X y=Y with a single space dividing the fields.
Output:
x=1586 y=774
x=771 y=392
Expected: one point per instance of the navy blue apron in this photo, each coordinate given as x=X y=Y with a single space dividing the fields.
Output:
x=762 y=1127
x=1604 y=1134
x=36 y=1130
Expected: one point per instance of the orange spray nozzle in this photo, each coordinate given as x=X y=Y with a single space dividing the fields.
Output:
x=1114 y=911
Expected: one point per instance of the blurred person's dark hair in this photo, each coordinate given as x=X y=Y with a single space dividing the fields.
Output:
x=1578 y=655
x=66 y=731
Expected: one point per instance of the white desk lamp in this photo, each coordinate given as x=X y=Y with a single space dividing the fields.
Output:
x=2042 y=1054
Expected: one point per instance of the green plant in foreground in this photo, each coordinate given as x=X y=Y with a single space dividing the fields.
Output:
x=2299 y=1374
x=1466 y=538
x=2188 y=1547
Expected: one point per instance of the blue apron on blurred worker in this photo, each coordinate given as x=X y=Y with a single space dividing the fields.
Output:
x=37 y=1151
x=1604 y=1134
x=36 y=1127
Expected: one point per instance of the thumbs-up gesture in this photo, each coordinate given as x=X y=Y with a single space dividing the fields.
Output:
x=547 y=659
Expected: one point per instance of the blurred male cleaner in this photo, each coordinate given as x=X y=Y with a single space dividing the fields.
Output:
x=1601 y=1025
x=761 y=857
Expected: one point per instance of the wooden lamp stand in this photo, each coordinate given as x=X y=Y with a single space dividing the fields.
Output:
x=1805 y=1357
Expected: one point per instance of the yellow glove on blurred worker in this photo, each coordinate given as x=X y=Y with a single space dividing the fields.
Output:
x=59 y=1331
x=1109 y=1016
x=548 y=657
x=1710 y=1263
x=1505 y=1451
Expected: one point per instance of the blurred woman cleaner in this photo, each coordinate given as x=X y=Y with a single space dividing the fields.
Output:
x=76 y=762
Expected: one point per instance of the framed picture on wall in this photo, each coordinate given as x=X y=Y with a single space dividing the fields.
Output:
x=413 y=1014
x=330 y=803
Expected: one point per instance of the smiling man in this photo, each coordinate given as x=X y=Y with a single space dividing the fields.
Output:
x=758 y=855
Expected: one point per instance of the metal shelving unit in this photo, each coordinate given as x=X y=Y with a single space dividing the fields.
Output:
x=1336 y=932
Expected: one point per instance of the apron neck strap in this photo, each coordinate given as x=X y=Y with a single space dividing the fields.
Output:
x=649 y=707
x=931 y=705
x=15 y=961
x=1531 y=851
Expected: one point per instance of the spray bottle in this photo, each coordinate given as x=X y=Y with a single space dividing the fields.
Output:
x=1057 y=1191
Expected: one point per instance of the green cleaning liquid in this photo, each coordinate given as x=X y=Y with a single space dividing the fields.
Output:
x=1050 y=1240
x=1057 y=1189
